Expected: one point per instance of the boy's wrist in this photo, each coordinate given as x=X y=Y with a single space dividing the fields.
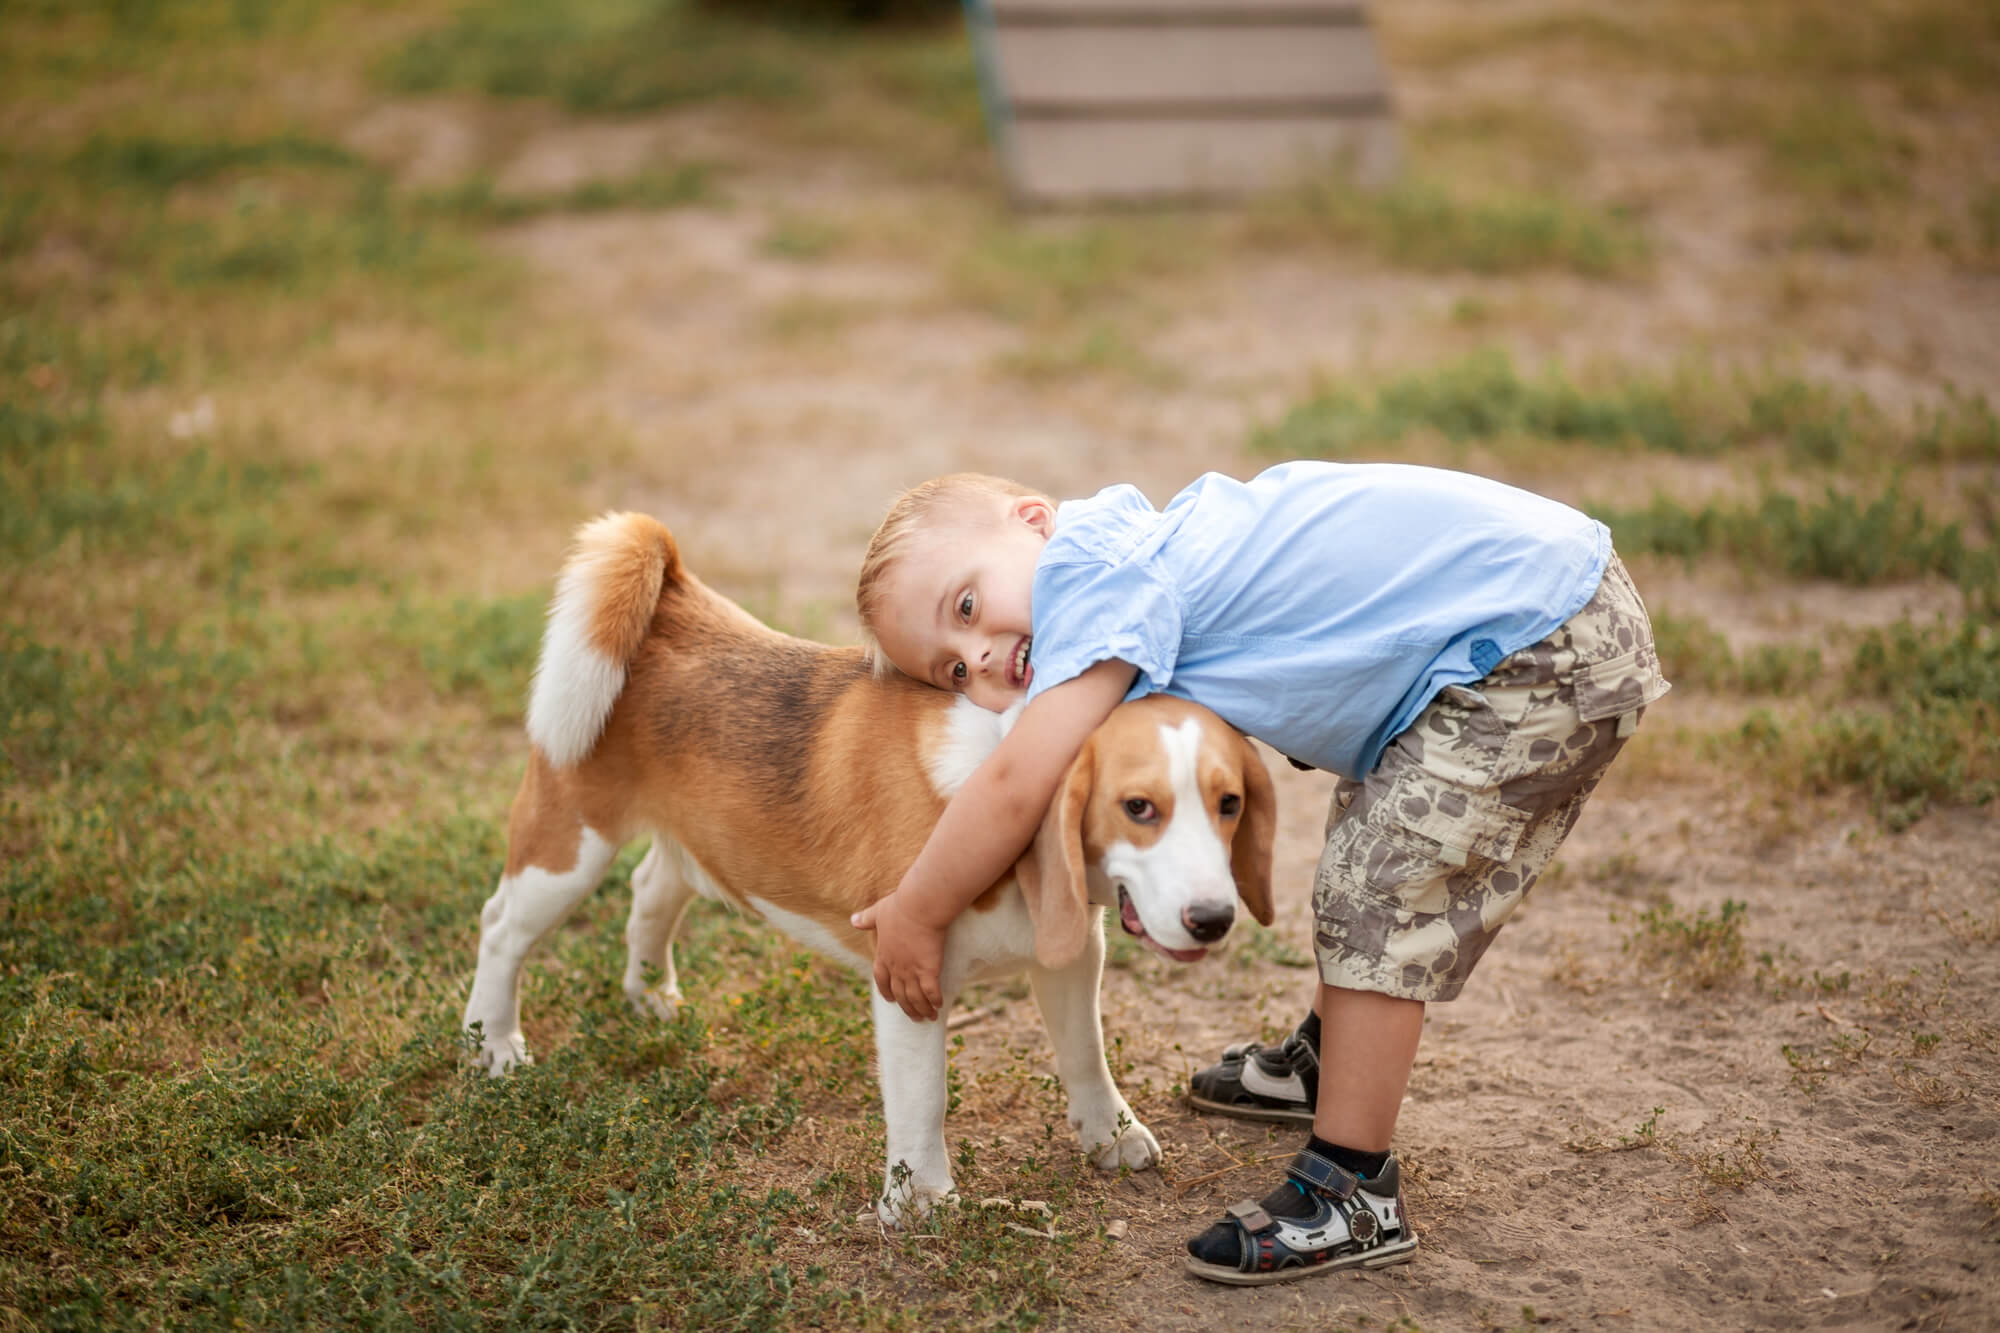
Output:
x=924 y=910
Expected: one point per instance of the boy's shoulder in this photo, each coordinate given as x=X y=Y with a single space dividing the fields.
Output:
x=1109 y=525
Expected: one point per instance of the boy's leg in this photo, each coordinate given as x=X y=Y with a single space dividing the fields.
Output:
x=1423 y=865
x=1368 y=1043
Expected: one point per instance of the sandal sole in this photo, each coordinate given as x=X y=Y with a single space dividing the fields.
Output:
x=1400 y=1253
x=1274 y=1114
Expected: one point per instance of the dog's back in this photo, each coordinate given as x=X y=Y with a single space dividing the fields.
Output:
x=786 y=771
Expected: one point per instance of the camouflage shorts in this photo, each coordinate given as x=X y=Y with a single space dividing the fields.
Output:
x=1429 y=857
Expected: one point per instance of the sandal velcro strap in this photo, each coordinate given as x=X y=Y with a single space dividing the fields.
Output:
x=1324 y=1175
x=1304 y=1060
x=1252 y=1215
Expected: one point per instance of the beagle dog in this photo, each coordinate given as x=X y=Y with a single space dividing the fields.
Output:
x=788 y=780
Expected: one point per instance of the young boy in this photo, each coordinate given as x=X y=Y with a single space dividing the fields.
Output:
x=1467 y=657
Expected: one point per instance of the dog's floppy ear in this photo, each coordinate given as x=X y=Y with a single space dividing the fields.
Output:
x=1051 y=873
x=1250 y=854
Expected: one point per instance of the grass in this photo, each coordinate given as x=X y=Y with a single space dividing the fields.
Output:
x=261 y=674
x=1934 y=734
x=1909 y=721
x=1425 y=225
x=601 y=57
x=480 y=200
x=1834 y=537
x=1691 y=412
x=1694 y=654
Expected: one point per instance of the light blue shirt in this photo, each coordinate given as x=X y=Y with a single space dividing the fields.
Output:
x=1317 y=606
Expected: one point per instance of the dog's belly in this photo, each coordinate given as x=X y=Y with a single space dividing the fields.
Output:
x=810 y=933
x=802 y=929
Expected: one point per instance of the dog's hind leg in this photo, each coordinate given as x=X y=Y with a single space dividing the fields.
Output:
x=526 y=906
x=911 y=1060
x=1104 y=1123
x=661 y=893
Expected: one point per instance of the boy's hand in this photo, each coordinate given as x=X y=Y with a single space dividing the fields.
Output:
x=909 y=955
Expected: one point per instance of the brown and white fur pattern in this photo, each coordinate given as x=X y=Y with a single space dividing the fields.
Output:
x=784 y=778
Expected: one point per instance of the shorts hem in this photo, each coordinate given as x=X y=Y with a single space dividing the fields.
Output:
x=1351 y=973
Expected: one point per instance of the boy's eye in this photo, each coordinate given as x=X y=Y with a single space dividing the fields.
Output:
x=965 y=607
x=958 y=671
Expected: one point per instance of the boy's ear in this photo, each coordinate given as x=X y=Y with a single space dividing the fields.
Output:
x=1051 y=873
x=1250 y=852
x=1036 y=512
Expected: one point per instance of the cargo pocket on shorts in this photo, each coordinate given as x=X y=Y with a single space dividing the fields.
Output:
x=1445 y=825
x=1619 y=688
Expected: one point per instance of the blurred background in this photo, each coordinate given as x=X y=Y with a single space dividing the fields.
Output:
x=324 y=322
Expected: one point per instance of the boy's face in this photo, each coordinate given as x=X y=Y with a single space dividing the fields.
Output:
x=955 y=606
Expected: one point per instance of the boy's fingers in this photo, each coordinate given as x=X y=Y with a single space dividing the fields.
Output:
x=863 y=919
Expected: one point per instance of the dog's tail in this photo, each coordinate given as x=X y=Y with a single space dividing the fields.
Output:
x=603 y=607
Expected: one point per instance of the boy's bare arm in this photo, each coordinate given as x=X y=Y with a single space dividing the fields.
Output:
x=984 y=830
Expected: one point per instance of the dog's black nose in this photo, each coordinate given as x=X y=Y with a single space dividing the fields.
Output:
x=1208 y=922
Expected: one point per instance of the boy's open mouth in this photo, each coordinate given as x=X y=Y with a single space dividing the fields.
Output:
x=1019 y=673
x=1128 y=917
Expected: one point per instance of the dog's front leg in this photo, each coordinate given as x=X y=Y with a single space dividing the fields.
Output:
x=911 y=1058
x=1104 y=1123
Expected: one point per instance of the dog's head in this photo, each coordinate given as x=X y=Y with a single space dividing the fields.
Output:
x=1167 y=815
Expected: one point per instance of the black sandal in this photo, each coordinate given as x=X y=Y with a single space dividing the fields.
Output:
x=1324 y=1218
x=1255 y=1082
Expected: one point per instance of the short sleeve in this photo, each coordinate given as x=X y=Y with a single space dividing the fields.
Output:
x=1090 y=611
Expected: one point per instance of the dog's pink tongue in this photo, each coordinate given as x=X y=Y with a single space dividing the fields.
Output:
x=1128 y=917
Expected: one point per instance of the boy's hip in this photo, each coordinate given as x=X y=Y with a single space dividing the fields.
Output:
x=1468 y=804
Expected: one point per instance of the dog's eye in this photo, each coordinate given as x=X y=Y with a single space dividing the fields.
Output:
x=1141 y=810
x=1232 y=804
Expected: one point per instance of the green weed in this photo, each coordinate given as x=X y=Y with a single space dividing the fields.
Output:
x=479 y=200
x=1694 y=654
x=1823 y=147
x=1479 y=398
x=1937 y=739
x=1423 y=225
x=1837 y=537
x=157 y=165
x=1484 y=397
x=1253 y=944
x=1702 y=950
x=603 y=56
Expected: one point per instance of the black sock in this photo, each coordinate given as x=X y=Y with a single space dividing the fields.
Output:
x=1363 y=1164
x=1288 y=1200
x=1310 y=1029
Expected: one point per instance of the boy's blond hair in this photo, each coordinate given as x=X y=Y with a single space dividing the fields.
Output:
x=952 y=496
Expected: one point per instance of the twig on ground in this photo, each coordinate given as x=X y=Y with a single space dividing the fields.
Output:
x=1181 y=1186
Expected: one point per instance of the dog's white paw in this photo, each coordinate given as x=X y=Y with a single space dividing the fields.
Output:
x=497 y=1055
x=661 y=1002
x=1124 y=1144
x=906 y=1202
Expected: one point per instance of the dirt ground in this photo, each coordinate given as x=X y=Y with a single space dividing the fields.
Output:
x=1591 y=1141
